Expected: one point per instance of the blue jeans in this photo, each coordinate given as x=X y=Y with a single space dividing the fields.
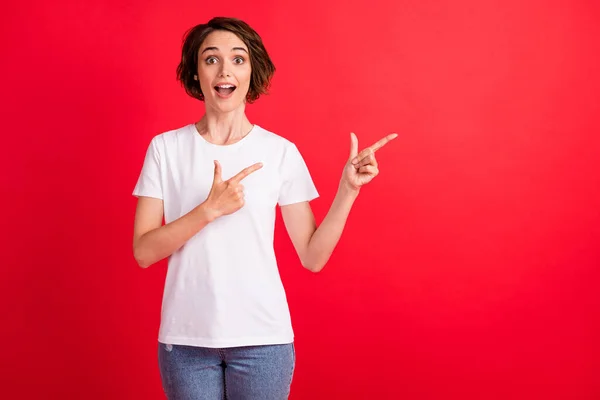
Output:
x=249 y=372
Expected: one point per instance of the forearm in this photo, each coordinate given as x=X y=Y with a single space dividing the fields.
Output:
x=328 y=234
x=161 y=242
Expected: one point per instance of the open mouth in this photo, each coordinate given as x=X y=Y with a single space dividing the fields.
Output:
x=225 y=90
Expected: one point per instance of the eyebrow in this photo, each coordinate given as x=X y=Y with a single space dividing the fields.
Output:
x=216 y=48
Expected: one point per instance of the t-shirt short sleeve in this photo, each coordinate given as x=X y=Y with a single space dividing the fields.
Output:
x=297 y=184
x=149 y=181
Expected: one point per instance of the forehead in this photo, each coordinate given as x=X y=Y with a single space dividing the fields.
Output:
x=224 y=40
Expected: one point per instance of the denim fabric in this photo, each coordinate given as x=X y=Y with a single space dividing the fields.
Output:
x=235 y=373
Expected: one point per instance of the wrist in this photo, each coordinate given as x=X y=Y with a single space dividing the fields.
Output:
x=347 y=189
x=208 y=213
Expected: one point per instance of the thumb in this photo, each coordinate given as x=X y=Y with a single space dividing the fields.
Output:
x=217 y=178
x=353 y=146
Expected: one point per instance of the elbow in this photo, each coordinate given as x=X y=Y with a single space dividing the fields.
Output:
x=141 y=259
x=142 y=263
x=142 y=253
x=313 y=266
x=312 y=262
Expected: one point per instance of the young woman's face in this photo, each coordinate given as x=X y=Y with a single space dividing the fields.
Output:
x=224 y=71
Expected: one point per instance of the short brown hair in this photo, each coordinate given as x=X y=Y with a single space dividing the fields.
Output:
x=262 y=66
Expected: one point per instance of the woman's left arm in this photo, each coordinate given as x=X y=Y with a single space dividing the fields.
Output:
x=315 y=245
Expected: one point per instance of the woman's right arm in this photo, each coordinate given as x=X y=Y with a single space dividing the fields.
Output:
x=153 y=241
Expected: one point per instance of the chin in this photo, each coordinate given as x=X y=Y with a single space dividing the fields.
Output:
x=227 y=106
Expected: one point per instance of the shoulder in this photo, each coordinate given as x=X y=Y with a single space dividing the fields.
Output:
x=283 y=151
x=273 y=141
x=167 y=139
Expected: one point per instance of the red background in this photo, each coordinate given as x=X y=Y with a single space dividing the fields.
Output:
x=468 y=268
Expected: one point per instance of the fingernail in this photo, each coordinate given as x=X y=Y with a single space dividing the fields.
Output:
x=355 y=160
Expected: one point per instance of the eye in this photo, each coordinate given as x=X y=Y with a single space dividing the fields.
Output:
x=211 y=60
x=239 y=60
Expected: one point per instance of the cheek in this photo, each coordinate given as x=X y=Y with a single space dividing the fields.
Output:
x=203 y=82
x=205 y=87
x=245 y=76
x=246 y=84
x=205 y=76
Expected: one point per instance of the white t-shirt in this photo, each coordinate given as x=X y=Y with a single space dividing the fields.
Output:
x=223 y=287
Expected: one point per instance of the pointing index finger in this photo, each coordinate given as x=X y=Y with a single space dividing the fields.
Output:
x=382 y=142
x=245 y=172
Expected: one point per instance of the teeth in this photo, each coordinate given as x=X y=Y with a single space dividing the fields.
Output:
x=226 y=86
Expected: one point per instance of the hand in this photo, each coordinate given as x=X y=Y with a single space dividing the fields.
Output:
x=226 y=197
x=362 y=167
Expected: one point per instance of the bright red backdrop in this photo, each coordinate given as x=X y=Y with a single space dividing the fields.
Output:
x=469 y=267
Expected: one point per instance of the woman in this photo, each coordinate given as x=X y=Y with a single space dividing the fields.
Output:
x=225 y=326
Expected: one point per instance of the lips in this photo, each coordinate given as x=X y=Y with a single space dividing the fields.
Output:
x=224 y=89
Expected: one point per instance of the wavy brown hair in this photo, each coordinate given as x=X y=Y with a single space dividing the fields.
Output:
x=262 y=66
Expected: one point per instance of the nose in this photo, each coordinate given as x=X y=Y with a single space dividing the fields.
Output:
x=224 y=71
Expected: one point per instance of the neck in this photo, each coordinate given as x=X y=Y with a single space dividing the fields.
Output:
x=224 y=127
